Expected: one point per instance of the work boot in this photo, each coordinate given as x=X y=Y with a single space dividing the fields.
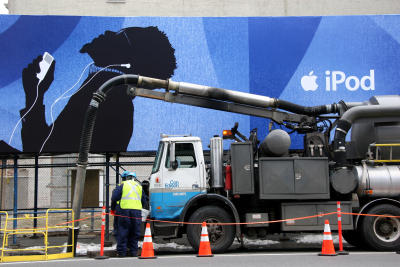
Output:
x=132 y=254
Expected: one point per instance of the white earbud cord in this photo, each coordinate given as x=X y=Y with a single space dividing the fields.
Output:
x=65 y=97
x=26 y=113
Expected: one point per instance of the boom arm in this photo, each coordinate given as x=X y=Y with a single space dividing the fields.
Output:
x=228 y=100
x=277 y=116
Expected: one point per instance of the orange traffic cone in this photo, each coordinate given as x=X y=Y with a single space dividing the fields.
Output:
x=147 y=246
x=327 y=243
x=204 y=248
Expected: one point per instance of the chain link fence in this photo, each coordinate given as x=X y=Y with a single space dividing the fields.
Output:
x=47 y=182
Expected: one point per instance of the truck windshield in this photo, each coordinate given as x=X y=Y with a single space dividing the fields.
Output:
x=157 y=160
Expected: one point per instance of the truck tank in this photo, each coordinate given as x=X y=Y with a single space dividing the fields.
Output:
x=366 y=131
x=378 y=181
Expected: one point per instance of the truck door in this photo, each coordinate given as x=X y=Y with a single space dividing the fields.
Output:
x=182 y=183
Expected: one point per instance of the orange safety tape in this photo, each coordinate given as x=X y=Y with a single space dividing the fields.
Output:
x=370 y=215
x=59 y=224
x=79 y=220
x=242 y=223
x=263 y=222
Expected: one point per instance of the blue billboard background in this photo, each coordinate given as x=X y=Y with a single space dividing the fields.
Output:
x=267 y=56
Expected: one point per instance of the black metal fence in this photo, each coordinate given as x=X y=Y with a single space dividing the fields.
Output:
x=31 y=185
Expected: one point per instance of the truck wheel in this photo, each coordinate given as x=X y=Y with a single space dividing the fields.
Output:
x=220 y=236
x=382 y=233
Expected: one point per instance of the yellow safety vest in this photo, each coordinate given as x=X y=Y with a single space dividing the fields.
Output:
x=119 y=185
x=131 y=195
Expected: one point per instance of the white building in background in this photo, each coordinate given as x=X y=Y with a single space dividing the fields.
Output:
x=203 y=7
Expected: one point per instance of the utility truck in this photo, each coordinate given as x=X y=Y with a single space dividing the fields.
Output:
x=256 y=181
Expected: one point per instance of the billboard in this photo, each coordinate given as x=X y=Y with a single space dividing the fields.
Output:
x=305 y=60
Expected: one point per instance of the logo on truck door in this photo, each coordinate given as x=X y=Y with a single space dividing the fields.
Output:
x=172 y=184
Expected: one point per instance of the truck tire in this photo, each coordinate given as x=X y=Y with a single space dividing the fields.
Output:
x=382 y=233
x=221 y=236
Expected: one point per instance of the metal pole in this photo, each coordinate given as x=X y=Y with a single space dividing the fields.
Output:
x=92 y=220
x=15 y=224
x=35 y=203
x=3 y=169
x=107 y=196
x=117 y=169
x=69 y=204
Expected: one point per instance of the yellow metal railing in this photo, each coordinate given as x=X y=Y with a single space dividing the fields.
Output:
x=43 y=231
x=4 y=230
x=377 y=152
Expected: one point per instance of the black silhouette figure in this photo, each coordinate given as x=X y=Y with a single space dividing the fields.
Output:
x=149 y=52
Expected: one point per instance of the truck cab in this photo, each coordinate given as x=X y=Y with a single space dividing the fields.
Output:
x=178 y=175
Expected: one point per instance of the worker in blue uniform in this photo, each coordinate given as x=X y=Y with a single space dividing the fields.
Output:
x=115 y=210
x=131 y=198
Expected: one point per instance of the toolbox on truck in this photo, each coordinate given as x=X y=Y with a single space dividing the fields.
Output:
x=294 y=178
x=304 y=209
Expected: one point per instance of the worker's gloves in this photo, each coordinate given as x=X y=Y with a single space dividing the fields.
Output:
x=112 y=212
x=145 y=214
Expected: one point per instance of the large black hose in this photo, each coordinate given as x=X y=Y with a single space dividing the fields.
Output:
x=346 y=121
x=90 y=117
x=88 y=125
x=86 y=140
x=311 y=111
x=339 y=143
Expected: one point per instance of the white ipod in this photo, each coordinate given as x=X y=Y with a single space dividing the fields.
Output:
x=44 y=65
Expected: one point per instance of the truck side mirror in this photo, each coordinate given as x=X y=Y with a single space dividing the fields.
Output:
x=174 y=165
x=172 y=160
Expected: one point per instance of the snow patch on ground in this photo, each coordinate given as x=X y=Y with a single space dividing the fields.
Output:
x=83 y=249
x=259 y=242
x=169 y=245
x=316 y=238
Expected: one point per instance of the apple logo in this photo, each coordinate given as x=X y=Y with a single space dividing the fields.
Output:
x=308 y=82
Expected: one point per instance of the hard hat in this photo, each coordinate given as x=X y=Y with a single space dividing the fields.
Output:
x=128 y=174
x=124 y=174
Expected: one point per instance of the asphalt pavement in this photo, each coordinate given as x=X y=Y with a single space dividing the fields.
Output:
x=364 y=259
x=277 y=250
